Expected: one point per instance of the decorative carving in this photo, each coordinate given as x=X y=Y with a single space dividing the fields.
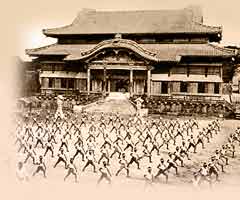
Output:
x=123 y=43
x=118 y=36
x=117 y=56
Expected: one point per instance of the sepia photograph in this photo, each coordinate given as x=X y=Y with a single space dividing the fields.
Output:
x=121 y=99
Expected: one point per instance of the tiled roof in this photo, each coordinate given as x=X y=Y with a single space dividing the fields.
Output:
x=155 y=52
x=129 y=22
x=172 y=50
x=58 y=49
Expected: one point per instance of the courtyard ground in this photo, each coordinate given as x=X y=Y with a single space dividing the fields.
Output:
x=231 y=177
x=132 y=188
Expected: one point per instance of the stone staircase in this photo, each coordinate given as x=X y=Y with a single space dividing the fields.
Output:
x=115 y=102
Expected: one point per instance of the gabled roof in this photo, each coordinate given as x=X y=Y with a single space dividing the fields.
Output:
x=188 y=20
x=154 y=52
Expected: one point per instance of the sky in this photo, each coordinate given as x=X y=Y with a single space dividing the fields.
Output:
x=30 y=17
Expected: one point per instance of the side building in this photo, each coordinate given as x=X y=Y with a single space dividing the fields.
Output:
x=27 y=78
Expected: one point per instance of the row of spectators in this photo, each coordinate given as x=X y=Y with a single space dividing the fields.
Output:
x=48 y=102
x=163 y=105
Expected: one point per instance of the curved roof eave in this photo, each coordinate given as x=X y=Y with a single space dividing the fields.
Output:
x=119 y=43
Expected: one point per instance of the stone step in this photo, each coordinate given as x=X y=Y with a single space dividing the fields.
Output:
x=118 y=95
x=115 y=102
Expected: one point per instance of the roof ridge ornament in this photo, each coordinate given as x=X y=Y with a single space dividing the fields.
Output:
x=118 y=36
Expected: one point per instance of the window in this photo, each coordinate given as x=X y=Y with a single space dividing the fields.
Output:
x=155 y=87
x=63 y=83
x=82 y=84
x=164 y=89
x=51 y=83
x=201 y=87
x=216 y=88
x=71 y=83
x=183 y=87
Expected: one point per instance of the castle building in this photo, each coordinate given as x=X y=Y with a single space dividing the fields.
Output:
x=148 y=52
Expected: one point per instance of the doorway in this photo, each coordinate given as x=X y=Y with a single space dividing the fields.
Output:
x=119 y=85
x=164 y=89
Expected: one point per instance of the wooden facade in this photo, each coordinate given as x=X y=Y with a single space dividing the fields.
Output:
x=134 y=81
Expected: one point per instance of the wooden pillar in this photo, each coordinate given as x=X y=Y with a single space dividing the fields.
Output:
x=42 y=82
x=149 y=83
x=221 y=71
x=169 y=87
x=153 y=87
x=131 y=82
x=160 y=87
x=104 y=81
x=109 y=85
x=76 y=84
x=100 y=85
x=220 y=88
x=88 y=80
x=221 y=76
x=67 y=83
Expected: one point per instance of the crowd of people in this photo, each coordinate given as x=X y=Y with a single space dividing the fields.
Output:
x=220 y=158
x=115 y=145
